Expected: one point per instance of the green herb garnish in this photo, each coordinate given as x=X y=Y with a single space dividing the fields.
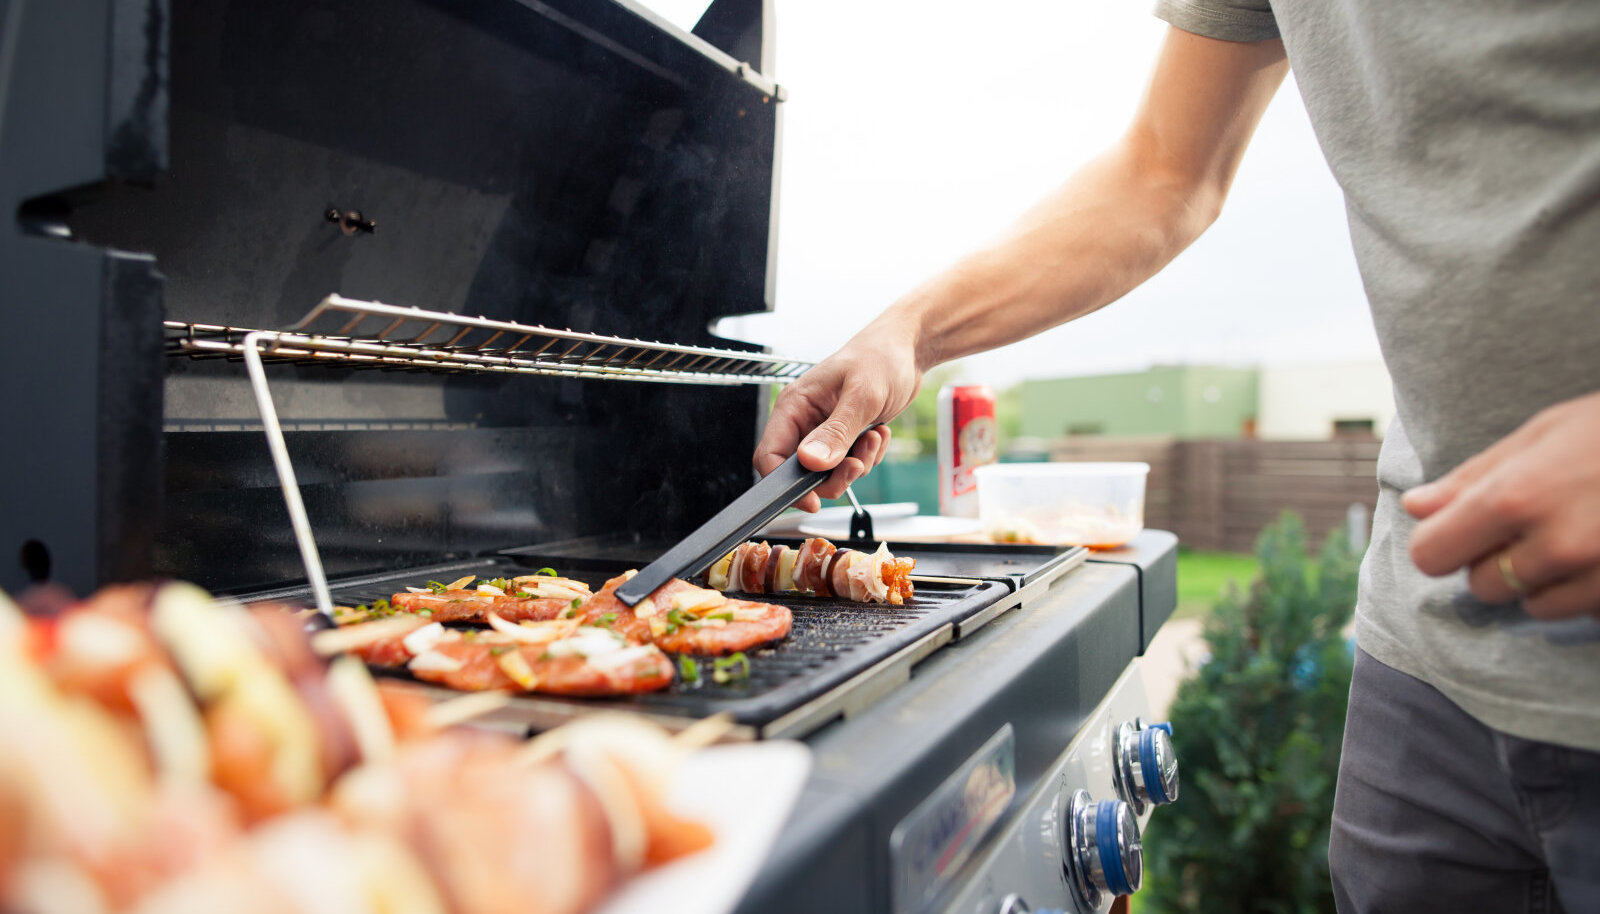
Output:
x=570 y=613
x=688 y=669
x=501 y=583
x=606 y=620
x=732 y=668
x=549 y=571
x=424 y=612
x=499 y=649
x=676 y=619
x=375 y=608
x=524 y=595
x=726 y=616
x=436 y=587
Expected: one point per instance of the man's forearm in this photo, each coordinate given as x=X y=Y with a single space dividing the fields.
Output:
x=1105 y=231
x=1113 y=224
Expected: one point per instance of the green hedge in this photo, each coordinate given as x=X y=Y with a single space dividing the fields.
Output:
x=1257 y=732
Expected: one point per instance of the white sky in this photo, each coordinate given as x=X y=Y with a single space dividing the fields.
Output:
x=917 y=129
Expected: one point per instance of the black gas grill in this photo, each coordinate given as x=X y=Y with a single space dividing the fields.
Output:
x=477 y=247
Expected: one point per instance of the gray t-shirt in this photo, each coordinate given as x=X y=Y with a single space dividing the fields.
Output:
x=1466 y=138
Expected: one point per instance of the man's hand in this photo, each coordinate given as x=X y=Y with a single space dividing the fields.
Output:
x=1525 y=512
x=872 y=379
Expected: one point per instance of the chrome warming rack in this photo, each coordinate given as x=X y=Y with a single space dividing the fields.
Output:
x=350 y=332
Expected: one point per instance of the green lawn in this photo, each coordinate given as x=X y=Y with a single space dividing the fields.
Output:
x=1204 y=576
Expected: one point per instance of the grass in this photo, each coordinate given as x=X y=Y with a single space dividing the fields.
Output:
x=1203 y=577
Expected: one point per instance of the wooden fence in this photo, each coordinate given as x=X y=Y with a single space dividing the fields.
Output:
x=1217 y=495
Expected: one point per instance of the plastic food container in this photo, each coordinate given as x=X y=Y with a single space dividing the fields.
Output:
x=1099 y=505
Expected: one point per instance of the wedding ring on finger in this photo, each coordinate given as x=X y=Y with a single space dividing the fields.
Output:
x=1509 y=575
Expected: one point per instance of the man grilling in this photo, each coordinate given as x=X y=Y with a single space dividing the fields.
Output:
x=1466 y=139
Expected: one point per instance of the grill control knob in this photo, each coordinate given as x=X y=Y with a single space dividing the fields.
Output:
x=1103 y=852
x=1145 y=768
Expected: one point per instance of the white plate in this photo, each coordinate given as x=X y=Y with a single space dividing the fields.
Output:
x=919 y=527
x=797 y=521
x=745 y=793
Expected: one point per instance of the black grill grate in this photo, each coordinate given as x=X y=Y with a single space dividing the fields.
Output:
x=832 y=642
x=795 y=685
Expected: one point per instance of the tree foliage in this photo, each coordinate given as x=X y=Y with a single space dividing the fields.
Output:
x=1257 y=732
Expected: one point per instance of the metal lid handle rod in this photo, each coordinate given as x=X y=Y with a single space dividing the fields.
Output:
x=280 y=460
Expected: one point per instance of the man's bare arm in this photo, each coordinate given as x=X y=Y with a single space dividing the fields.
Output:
x=1111 y=226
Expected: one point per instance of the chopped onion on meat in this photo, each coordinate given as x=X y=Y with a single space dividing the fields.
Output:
x=349 y=637
x=514 y=665
x=534 y=632
x=624 y=657
x=454 y=711
x=609 y=787
x=423 y=639
x=748 y=614
x=176 y=734
x=100 y=638
x=546 y=587
x=459 y=583
x=435 y=662
x=696 y=600
x=356 y=695
x=588 y=642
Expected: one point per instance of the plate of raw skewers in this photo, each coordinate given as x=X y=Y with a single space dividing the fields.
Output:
x=161 y=751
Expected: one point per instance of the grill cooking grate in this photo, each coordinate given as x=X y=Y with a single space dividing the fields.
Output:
x=795 y=685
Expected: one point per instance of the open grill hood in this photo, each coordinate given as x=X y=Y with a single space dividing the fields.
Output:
x=181 y=167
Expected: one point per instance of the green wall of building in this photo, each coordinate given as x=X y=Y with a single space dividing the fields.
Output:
x=1180 y=401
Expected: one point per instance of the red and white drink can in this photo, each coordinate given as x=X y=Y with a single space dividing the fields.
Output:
x=968 y=439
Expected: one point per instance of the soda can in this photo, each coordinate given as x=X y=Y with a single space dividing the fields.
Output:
x=968 y=439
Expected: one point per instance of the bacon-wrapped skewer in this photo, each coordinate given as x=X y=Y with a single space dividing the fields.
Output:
x=817 y=568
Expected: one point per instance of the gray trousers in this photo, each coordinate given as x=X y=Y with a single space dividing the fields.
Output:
x=1437 y=813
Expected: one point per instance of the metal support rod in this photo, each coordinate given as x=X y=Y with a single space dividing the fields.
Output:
x=286 y=479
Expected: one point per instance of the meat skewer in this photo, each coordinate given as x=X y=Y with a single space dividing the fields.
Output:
x=678 y=617
x=531 y=598
x=103 y=812
x=817 y=568
x=557 y=657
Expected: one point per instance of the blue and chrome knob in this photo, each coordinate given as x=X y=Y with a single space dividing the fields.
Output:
x=1144 y=767
x=1103 y=852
